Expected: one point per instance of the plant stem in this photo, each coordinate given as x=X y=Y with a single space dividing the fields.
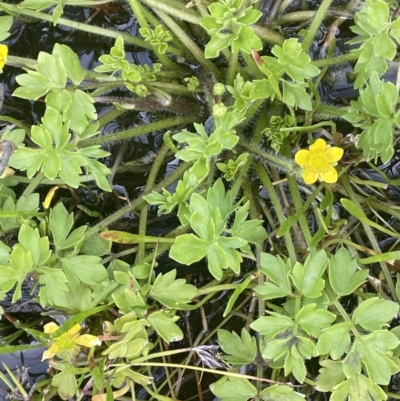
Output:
x=268 y=35
x=176 y=10
x=138 y=202
x=371 y=236
x=315 y=24
x=262 y=174
x=155 y=168
x=344 y=58
x=189 y=43
x=137 y=11
x=298 y=205
x=233 y=63
x=96 y=30
x=33 y=184
x=145 y=129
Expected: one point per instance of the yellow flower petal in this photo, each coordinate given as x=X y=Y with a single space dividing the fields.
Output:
x=334 y=154
x=302 y=156
x=330 y=176
x=318 y=146
x=309 y=176
x=49 y=196
x=318 y=162
x=87 y=340
x=50 y=352
x=50 y=328
x=74 y=330
x=3 y=55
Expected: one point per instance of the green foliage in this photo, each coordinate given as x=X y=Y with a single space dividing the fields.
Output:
x=201 y=147
x=52 y=71
x=290 y=61
x=240 y=350
x=375 y=113
x=227 y=25
x=300 y=292
x=57 y=155
x=289 y=339
x=158 y=37
x=134 y=76
x=275 y=133
x=192 y=83
x=377 y=35
x=5 y=25
x=240 y=389
x=231 y=168
x=208 y=217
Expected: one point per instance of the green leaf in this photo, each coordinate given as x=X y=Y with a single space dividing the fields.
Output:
x=270 y=291
x=36 y=4
x=295 y=95
x=60 y=224
x=71 y=63
x=294 y=364
x=250 y=230
x=294 y=60
x=374 y=313
x=30 y=239
x=51 y=164
x=100 y=173
x=60 y=100
x=241 y=350
x=5 y=25
x=216 y=261
x=165 y=326
x=81 y=111
x=277 y=271
x=171 y=292
x=271 y=326
x=352 y=363
x=217 y=197
x=52 y=123
x=66 y=384
x=335 y=340
x=96 y=246
x=373 y=351
x=217 y=44
x=358 y=388
x=53 y=69
x=331 y=374
x=233 y=389
x=307 y=278
x=53 y=290
x=313 y=320
x=188 y=249
x=246 y=40
x=344 y=276
x=280 y=392
x=85 y=269
x=57 y=13
x=32 y=85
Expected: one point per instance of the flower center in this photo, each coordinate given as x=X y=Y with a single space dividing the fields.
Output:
x=318 y=162
x=65 y=342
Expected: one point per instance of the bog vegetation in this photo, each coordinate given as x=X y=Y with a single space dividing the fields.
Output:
x=267 y=195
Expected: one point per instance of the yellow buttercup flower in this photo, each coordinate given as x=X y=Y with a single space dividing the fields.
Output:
x=318 y=162
x=3 y=55
x=68 y=344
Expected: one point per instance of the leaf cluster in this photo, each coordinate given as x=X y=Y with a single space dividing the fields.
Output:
x=134 y=76
x=227 y=25
x=67 y=278
x=208 y=217
x=375 y=113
